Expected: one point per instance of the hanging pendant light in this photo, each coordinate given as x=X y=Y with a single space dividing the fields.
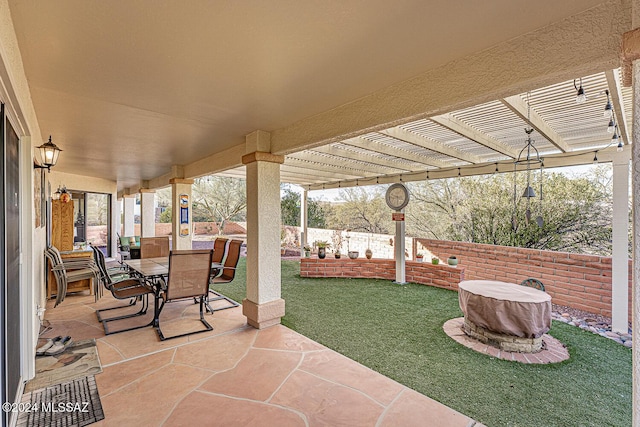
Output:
x=528 y=156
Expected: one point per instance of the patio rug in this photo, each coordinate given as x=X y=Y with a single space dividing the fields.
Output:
x=72 y=404
x=78 y=360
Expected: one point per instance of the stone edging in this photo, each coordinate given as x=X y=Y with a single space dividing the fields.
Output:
x=553 y=351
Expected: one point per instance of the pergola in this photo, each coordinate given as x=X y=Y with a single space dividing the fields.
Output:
x=142 y=95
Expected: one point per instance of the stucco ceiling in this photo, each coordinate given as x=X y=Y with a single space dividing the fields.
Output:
x=130 y=88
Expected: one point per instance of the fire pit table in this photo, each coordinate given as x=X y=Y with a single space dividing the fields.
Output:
x=508 y=316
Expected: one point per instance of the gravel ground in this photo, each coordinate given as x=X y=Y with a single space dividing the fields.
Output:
x=591 y=322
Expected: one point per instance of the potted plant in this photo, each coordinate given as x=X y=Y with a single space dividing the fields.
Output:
x=452 y=261
x=337 y=254
x=354 y=254
x=435 y=260
x=368 y=253
x=322 y=248
x=307 y=251
x=419 y=256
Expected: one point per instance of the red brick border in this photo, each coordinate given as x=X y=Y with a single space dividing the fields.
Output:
x=441 y=276
x=575 y=280
x=553 y=351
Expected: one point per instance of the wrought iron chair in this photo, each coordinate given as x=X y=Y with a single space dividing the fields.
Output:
x=118 y=279
x=188 y=278
x=154 y=247
x=72 y=270
x=533 y=283
x=226 y=274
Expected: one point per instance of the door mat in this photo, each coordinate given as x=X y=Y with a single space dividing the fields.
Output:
x=78 y=360
x=72 y=404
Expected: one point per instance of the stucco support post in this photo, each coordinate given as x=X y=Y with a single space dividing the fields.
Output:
x=620 y=253
x=181 y=219
x=147 y=213
x=304 y=221
x=128 y=205
x=117 y=218
x=631 y=65
x=263 y=306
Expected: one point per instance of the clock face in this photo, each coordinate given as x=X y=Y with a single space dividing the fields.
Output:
x=397 y=196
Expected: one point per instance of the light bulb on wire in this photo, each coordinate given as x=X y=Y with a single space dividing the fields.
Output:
x=581 y=97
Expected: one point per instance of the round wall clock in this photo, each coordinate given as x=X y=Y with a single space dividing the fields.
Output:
x=397 y=196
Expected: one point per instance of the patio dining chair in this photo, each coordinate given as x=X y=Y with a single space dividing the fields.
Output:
x=533 y=283
x=71 y=270
x=118 y=279
x=154 y=247
x=188 y=277
x=226 y=274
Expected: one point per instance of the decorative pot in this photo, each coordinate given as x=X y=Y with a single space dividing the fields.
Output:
x=353 y=254
x=419 y=259
x=337 y=254
x=452 y=261
x=322 y=252
x=435 y=261
x=368 y=253
x=307 y=254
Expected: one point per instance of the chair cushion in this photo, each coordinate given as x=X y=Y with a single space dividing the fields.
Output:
x=124 y=241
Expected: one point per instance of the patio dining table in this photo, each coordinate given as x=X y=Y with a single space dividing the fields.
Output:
x=154 y=271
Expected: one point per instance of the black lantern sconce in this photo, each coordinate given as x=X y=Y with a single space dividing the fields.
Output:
x=49 y=153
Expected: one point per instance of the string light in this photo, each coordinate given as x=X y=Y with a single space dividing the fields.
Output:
x=581 y=97
x=595 y=158
x=608 y=109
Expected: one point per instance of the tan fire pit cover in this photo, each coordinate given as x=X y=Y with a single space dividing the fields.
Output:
x=506 y=308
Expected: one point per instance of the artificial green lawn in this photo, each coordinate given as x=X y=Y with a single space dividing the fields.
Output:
x=397 y=331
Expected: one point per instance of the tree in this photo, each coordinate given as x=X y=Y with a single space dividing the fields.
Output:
x=576 y=212
x=290 y=206
x=290 y=209
x=362 y=209
x=221 y=199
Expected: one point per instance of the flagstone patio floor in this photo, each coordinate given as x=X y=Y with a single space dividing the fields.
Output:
x=235 y=375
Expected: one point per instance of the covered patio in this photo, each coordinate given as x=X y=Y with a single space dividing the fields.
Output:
x=144 y=96
x=237 y=375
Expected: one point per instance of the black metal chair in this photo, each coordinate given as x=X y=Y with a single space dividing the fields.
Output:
x=226 y=274
x=154 y=247
x=533 y=283
x=72 y=270
x=188 y=277
x=118 y=279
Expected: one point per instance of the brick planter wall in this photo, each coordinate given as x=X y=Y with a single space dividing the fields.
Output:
x=574 y=280
x=442 y=276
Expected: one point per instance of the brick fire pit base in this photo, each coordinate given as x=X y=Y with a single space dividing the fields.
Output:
x=552 y=350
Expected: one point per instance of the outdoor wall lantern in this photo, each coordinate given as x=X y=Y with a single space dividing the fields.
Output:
x=49 y=153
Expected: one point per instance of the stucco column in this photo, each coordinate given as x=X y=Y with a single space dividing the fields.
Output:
x=181 y=213
x=620 y=255
x=263 y=306
x=147 y=213
x=304 y=221
x=635 y=161
x=128 y=205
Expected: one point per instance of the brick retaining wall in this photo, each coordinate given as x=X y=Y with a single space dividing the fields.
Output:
x=442 y=276
x=574 y=280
